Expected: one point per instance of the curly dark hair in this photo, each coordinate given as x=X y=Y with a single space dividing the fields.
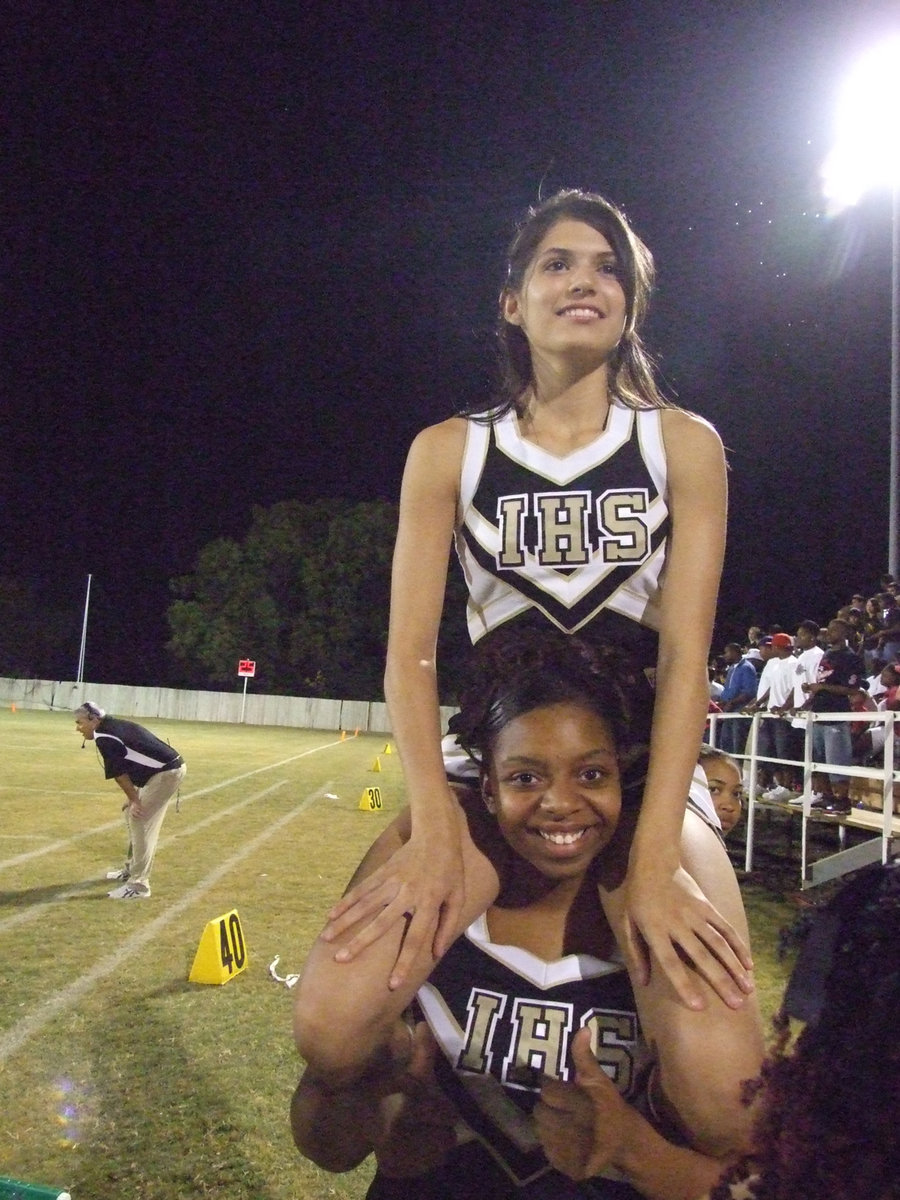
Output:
x=830 y=1122
x=518 y=670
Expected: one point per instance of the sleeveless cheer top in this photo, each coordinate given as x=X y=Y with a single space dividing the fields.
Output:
x=503 y=1019
x=567 y=537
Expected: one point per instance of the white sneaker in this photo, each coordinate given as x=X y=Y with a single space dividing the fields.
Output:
x=781 y=794
x=129 y=893
x=121 y=875
x=814 y=798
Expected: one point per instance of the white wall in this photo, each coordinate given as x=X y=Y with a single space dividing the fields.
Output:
x=121 y=700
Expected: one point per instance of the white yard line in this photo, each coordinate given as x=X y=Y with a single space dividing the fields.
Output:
x=33 y=911
x=63 y=843
x=29 y=746
x=15 y=1038
x=42 y=791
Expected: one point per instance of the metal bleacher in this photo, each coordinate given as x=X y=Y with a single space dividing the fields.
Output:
x=874 y=788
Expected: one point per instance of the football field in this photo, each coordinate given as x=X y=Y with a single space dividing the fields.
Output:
x=118 y=1077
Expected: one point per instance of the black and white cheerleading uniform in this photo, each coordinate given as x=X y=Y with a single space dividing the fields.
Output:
x=578 y=540
x=504 y=1018
x=572 y=536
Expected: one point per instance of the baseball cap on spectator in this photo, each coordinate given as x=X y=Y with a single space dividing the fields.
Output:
x=765 y=641
x=783 y=640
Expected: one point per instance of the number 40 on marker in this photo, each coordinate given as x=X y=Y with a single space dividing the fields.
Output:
x=222 y=952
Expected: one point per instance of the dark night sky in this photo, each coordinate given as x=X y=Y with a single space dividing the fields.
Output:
x=250 y=249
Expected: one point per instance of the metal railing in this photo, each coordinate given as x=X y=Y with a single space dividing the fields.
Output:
x=887 y=773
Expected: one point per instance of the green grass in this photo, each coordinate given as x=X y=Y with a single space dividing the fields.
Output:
x=138 y=1083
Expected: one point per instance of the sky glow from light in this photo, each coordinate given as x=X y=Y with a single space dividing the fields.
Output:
x=866 y=151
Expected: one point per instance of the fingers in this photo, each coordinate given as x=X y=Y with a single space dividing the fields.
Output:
x=556 y=1095
x=419 y=934
x=358 y=905
x=713 y=960
x=359 y=898
x=709 y=956
x=449 y=920
x=586 y=1065
x=566 y=1145
x=424 y=1048
x=400 y=1046
x=635 y=952
x=563 y=1118
x=387 y=917
x=735 y=942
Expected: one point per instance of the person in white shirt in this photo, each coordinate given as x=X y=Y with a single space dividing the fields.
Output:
x=806 y=665
x=776 y=737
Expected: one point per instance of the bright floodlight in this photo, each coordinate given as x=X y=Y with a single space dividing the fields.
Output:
x=866 y=151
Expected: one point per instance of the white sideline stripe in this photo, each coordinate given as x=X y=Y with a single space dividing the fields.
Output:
x=63 y=843
x=30 y=746
x=33 y=911
x=42 y=791
x=16 y=1037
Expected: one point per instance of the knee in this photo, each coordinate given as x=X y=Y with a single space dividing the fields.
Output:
x=327 y=1051
x=713 y=1112
x=336 y=1038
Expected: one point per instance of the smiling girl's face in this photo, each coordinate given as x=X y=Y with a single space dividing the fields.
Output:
x=553 y=785
x=571 y=298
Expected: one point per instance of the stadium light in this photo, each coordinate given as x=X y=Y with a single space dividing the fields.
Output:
x=866 y=156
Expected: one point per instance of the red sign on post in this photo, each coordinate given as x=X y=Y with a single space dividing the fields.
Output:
x=247 y=668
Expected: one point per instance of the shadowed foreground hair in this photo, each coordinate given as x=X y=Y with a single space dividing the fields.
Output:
x=517 y=671
x=830 y=1125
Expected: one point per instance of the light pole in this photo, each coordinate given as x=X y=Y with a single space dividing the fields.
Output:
x=893 y=529
x=865 y=156
x=79 y=671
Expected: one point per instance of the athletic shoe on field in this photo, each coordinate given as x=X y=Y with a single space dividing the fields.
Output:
x=121 y=875
x=126 y=892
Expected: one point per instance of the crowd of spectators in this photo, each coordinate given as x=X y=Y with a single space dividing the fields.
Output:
x=852 y=664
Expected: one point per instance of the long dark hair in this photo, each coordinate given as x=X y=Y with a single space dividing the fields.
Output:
x=830 y=1122
x=631 y=372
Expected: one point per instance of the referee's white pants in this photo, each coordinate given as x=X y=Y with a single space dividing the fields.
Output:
x=155 y=796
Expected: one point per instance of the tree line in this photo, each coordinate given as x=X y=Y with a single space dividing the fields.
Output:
x=306 y=595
